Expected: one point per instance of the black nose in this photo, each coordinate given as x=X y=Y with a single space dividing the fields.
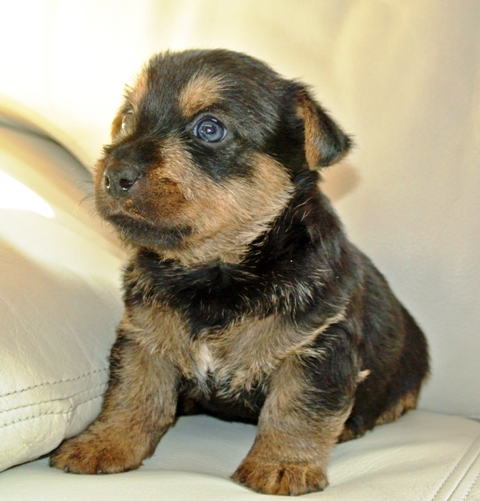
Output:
x=119 y=178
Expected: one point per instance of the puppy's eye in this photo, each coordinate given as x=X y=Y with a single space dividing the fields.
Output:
x=210 y=130
x=127 y=122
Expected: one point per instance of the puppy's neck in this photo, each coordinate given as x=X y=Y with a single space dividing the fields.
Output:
x=229 y=245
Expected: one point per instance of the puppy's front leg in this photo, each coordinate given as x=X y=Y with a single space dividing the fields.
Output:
x=298 y=426
x=139 y=406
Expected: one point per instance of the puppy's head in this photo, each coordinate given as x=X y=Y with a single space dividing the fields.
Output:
x=204 y=154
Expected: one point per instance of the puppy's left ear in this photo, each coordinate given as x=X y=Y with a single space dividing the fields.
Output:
x=325 y=141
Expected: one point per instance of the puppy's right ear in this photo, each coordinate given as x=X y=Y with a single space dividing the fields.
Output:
x=325 y=141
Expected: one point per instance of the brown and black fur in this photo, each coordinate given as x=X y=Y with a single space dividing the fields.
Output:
x=243 y=297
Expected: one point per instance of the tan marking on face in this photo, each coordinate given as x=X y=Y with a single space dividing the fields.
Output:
x=176 y=168
x=226 y=218
x=134 y=95
x=203 y=90
x=139 y=89
x=116 y=125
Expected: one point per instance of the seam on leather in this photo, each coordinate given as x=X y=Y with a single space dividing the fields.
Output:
x=56 y=399
x=456 y=466
x=475 y=480
x=52 y=413
x=60 y=381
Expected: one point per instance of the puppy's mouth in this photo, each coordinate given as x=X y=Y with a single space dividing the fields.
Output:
x=142 y=217
x=138 y=231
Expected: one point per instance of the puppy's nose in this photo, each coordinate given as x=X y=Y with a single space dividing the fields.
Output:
x=119 y=178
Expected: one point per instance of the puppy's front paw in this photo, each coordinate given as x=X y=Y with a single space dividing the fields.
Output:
x=280 y=477
x=91 y=454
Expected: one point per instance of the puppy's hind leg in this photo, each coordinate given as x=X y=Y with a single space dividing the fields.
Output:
x=139 y=406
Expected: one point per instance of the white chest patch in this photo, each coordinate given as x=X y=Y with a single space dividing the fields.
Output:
x=204 y=364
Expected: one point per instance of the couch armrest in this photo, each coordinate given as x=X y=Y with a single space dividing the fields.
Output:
x=59 y=298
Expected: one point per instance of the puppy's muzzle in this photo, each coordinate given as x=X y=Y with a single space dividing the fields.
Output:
x=119 y=178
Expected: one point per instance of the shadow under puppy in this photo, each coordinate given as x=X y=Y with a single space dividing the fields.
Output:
x=243 y=297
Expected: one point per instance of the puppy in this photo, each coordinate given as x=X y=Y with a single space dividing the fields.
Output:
x=243 y=297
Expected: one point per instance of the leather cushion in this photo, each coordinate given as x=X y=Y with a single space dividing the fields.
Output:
x=59 y=299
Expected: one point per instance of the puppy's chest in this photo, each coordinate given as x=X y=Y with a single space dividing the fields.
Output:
x=210 y=298
x=222 y=362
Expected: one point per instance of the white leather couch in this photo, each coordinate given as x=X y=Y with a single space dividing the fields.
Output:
x=403 y=77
